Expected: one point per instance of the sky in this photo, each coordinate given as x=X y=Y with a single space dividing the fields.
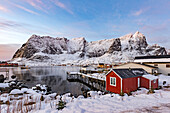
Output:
x=92 y=19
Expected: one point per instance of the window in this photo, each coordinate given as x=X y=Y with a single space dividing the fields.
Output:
x=113 y=81
x=154 y=81
x=167 y=65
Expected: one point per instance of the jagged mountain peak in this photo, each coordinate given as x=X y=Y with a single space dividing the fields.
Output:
x=79 y=38
x=138 y=35
x=41 y=48
x=127 y=36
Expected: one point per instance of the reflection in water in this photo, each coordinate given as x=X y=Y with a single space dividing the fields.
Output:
x=54 y=77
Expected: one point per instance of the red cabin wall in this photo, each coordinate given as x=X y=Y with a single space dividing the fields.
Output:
x=130 y=84
x=144 y=82
x=114 y=89
x=154 y=85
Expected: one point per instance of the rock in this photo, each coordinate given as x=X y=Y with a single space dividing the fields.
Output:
x=19 y=83
x=2 y=78
x=22 y=86
x=13 y=76
x=16 y=92
x=116 y=46
x=28 y=80
x=26 y=51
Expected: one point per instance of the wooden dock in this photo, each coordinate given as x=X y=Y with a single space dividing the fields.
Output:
x=95 y=83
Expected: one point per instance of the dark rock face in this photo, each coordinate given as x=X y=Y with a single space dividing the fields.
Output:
x=157 y=50
x=116 y=46
x=52 y=50
x=2 y=78
x=26 y=51
x=96 y=53
x=39 y=57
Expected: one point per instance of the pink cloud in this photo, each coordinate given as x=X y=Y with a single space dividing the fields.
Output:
x=4 y=9
x=139 y=12
x=37 y=4
x=25 y=9
x=63 y=6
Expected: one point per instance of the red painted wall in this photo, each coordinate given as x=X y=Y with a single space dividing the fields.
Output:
x=144 y=82
x=130 y=84
x=114 y=89
x=154 y=85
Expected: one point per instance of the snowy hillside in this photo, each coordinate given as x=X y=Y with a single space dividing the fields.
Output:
x=49 y=50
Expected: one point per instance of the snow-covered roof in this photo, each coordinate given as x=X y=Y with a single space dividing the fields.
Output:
x=150 y=77
x=160 y=58
x=153 y=60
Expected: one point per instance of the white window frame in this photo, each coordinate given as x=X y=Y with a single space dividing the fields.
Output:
x=112 y=78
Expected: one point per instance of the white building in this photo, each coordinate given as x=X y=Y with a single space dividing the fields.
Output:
x=162 y=62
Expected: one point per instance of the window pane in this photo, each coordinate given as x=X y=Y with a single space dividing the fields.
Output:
x=114 y=81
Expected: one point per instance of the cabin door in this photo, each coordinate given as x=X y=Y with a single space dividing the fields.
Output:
x=138 y=82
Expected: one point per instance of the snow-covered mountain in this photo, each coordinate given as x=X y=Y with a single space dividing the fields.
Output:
x=46 y=49
x=168 y=51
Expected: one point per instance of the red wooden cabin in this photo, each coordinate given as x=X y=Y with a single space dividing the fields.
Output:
x=122 y=80
x=127 y=80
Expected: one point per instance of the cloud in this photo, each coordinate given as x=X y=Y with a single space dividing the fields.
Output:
x=63 y=6
x=41 y=5
x=14 y=27
x=4 y=9
x=139 y=12
x=8 y=24
x=38 y=4
x=25 y=9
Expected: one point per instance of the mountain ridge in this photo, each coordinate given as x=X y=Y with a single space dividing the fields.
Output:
x=78 y=50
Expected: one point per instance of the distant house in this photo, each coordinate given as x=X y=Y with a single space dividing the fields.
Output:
x=162 y=62
x=150 y=69
x=102 y=65
x=127 y=80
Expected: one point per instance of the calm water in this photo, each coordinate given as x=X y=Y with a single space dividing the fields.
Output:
x=55 y=77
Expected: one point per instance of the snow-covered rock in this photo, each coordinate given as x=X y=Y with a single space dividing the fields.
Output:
x=4 y=85
x=16 y=91
x=46 y=49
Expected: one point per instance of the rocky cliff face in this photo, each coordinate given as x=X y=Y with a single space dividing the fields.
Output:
x=79 y=50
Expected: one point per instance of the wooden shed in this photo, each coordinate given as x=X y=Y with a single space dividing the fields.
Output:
x=149 y=81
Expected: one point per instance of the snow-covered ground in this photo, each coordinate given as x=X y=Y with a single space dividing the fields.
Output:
x=28 y=100
x=71 y=59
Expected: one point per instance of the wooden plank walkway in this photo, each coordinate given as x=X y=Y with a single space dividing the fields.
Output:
x=96 y=83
